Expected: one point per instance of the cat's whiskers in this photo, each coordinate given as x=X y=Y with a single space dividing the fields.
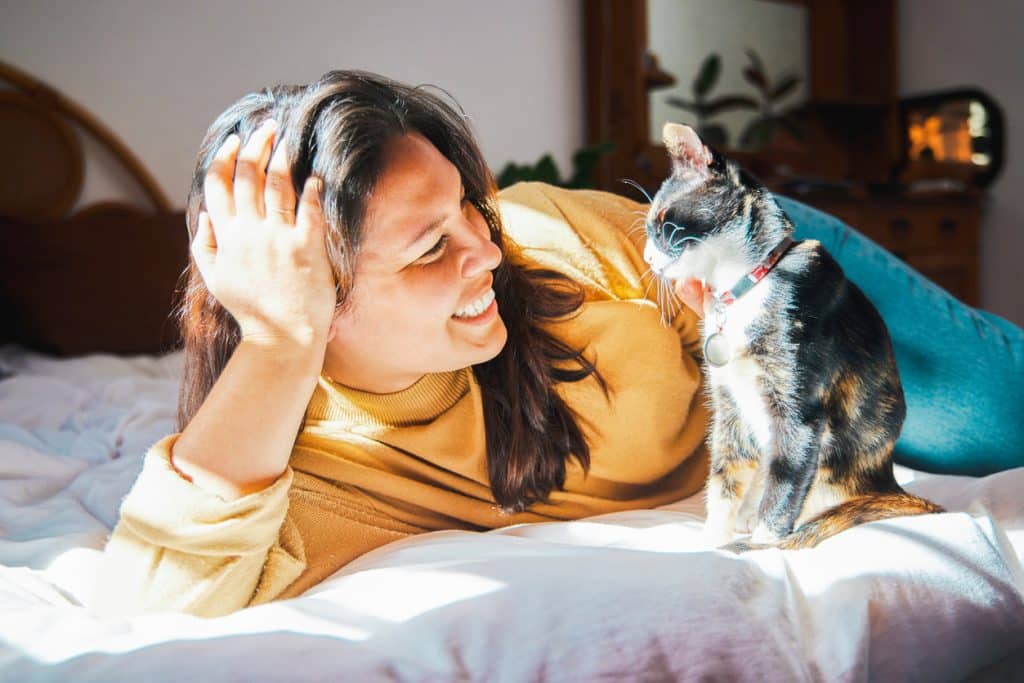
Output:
x=674 y=303
x=635 y=184
x=639 y=224
x=664 y=299
x=654 y=278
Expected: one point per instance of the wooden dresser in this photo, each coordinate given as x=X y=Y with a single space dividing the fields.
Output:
x=936 y=234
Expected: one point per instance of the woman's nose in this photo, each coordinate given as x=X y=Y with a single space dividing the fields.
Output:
x=481 y=255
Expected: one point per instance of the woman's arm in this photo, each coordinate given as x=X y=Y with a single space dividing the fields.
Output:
x=267 y=265
x=240 y=439
x=180 y=548
x=204 y=528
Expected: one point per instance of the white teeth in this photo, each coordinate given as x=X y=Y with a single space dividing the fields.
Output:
x=477 y=307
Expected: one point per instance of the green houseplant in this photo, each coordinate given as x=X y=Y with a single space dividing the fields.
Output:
x=545 y=170
x=705 y=107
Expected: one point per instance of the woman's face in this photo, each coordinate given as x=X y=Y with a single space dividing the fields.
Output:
x=422 y=300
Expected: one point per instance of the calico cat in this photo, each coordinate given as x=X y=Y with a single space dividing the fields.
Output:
x=806 y=398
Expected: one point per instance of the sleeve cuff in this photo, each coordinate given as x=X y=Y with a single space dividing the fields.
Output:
x=165 y=509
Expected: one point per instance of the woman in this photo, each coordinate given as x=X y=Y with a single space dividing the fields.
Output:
x=439 y=373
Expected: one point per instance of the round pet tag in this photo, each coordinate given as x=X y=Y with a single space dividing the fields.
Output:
x=717 y=351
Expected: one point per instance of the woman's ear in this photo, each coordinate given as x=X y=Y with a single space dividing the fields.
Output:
x=332 y=331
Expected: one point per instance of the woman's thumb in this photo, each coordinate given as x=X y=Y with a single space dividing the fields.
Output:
x=204 y=245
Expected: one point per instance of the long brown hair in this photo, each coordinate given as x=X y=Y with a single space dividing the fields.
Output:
x=337 y=129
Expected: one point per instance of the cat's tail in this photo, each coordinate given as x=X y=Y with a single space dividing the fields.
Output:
x=846 y=515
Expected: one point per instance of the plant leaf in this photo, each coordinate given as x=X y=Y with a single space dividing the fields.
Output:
x=758 y=133
x=784 y=87
x=727 y=102
x=583 y=162
x=707 y=76
x=681 y=103
x=700 y=109
x=757 y=78
x=755 y=59
x=714 y=134
x=510 y=175
x=546 y=171
x=794 y=128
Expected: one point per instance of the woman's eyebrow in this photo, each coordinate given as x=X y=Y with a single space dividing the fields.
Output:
x=433 y=225
x=420 y=234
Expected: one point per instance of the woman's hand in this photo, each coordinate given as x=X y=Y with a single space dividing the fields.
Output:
x=263 y=258
x=695 y=294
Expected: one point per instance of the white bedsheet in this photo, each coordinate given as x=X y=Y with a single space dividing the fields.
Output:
x=628 y=596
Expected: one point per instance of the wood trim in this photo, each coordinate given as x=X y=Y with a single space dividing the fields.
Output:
x=615 y=34
x=55 y=100
x=45 y=182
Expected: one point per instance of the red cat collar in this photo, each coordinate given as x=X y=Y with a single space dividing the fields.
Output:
x=717 y=350
x=757 y=274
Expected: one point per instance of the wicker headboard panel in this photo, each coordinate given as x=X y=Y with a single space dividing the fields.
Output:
x=34 y=126
x=101 y=279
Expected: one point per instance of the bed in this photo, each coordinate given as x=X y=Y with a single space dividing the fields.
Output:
x=626 y=596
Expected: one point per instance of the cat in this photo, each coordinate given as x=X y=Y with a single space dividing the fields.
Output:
x=805 y=394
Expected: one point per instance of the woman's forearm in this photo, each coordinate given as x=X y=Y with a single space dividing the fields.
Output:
x=241 y=438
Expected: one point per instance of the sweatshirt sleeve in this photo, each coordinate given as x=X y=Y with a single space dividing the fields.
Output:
x=595 y=237
x=178 y=547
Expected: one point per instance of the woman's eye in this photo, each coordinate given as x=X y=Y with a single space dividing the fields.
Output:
x=436 y=249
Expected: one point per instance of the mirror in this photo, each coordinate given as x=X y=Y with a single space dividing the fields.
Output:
x=850 y=93
x=740 y=67
x=952 y=140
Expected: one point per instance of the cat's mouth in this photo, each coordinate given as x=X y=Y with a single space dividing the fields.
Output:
x=659 y=259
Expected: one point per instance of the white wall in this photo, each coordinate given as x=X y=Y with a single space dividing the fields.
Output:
x=159 y=71
x=950 y=43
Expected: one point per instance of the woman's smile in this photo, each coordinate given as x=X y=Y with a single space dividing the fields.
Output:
x=475 y=310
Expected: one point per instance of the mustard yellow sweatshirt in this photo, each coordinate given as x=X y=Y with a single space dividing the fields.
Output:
x=368 y=469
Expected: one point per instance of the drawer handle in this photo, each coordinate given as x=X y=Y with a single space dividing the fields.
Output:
x=900 y=226
x=947 y=226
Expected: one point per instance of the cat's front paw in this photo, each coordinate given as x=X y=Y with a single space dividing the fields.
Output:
x=763 y=536
x=715 y=536
x=746 y=521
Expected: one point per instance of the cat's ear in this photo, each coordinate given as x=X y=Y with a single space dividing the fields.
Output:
x=689 y=155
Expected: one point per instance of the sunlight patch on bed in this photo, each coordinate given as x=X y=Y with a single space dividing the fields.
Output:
x=399 y=594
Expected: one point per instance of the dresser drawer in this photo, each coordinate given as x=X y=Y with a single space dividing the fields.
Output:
x=938 y=236
x=909 y=228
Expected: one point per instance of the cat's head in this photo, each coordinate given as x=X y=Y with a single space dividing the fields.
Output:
x=708 y=200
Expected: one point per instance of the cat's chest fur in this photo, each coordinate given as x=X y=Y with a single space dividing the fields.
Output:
x=742 y=380
x=739 y=387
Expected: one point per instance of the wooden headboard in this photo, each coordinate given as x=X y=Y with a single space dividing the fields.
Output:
x=99 y=278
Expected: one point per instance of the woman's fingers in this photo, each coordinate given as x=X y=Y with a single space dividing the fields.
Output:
x=310 y=215
x=280 y=195
x=694 y=293
x=250 y=171
x=218 y=186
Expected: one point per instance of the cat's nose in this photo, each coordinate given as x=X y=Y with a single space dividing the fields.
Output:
x=650 y=253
